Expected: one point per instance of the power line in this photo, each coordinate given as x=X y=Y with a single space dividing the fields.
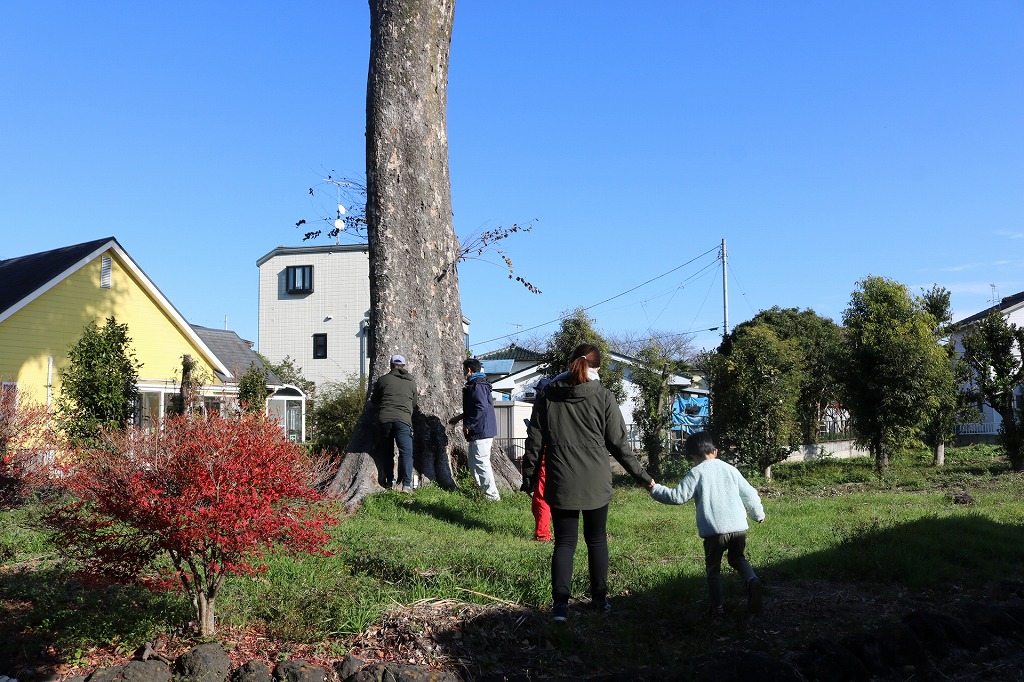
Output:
x=612 y=298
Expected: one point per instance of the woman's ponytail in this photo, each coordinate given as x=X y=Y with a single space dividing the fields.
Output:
x=584 y=357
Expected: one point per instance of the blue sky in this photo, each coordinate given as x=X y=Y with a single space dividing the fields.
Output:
x=824 y=141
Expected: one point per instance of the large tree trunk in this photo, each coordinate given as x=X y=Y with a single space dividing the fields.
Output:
x=414 y=285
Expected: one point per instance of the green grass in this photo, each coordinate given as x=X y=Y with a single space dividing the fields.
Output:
x=831 y=520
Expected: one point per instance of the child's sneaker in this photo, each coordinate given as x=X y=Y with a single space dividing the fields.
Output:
x=755 y=593
x=559 y=612
x=601 y=605
x=716 y=612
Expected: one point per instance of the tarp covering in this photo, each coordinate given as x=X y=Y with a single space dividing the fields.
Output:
x=689 y=413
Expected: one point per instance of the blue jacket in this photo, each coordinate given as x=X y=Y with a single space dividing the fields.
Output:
x=478 y=408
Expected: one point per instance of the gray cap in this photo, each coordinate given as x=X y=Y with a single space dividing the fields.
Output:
x=397 y=360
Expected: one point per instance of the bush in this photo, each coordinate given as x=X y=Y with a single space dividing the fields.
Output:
x=211 y=495
x=336 y=413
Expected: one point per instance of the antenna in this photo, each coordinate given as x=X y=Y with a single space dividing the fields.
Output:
x=995 y=294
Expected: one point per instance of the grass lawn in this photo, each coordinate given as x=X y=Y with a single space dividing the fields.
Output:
x=448 y=577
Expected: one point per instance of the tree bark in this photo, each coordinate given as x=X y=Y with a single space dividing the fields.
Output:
x=940 y=453
x=414 y=287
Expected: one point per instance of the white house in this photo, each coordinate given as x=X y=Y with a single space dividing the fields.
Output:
x=314 y=307
x=1012 y=308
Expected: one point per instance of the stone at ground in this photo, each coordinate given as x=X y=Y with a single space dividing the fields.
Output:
x=396 y=672
x=299 y=671
x=204 y=663
x=253 y=671
x=133 y=671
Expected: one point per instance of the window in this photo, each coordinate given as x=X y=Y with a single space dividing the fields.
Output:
x=319 y=346
x=106 y=265
x=9 y=393
x=299 y=279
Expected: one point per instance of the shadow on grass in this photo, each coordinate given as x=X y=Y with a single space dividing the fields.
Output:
x=47 y=618
x=928 y=552
x=449 y=515
x=664 y=628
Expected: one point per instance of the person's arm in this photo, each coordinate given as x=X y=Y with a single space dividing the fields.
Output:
x=473 y=408
x=534 y=445
x=751 y=500
x=618 y=444
x=681 y=494
x=376 y=394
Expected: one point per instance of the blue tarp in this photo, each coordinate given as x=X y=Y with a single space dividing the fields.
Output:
x=689 y=413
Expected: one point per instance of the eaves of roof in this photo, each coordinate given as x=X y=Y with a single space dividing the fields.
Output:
x=1007 y=304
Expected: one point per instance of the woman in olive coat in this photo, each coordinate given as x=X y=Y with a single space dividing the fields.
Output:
x=578 y=422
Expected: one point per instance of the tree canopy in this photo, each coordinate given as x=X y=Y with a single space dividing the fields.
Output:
x=577 y=327
x=893 y=366
x=992 y=351
x=755 y=388
x=819 y=342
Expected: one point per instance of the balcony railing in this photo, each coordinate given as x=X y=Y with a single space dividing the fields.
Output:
x=977 y=429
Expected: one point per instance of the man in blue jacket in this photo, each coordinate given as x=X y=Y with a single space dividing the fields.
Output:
x=479 y=425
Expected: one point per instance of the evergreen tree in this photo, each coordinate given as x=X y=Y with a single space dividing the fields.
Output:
x=99 y=388
x=893 y=369
x=577 y=327
x=755 y=389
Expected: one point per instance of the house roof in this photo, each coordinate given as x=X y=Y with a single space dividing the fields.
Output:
x=25 y=278
x=497 y=366
x=24 y=275
x=512 y=352
x=234 y=352
x=317 y=248
x=1007 y=303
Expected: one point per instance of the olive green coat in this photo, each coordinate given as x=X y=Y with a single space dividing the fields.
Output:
x=395 y=392
x=577 y=426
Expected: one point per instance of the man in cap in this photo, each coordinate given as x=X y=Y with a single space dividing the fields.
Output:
x=395 y=394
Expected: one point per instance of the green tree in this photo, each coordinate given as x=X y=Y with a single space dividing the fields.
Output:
x=820 y=343
x=893 y=366
x=336 y=413
x=577 y=327
x=652 y=413
x=755 y=387
x=99 y=388
x=952 y=402
x=992 y=352
x=252 y=389
x=287 y=372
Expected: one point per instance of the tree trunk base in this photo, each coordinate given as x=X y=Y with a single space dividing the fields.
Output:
x=356 y=478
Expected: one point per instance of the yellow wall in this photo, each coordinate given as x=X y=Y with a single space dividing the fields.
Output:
x=49 y=325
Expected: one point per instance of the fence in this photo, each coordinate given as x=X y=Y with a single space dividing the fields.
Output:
x=513 y=447
x=977 y=429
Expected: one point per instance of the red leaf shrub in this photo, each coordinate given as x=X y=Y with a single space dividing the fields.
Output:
x=212 y=494
x=25 y=448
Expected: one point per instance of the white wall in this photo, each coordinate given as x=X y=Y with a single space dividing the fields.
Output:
x=341 y=292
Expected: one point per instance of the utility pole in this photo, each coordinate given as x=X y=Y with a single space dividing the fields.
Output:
x=725 y=294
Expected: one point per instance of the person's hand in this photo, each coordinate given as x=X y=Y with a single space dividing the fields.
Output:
x=651 y=484
x=465 y=432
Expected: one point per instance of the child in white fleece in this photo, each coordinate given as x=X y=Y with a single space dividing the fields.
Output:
x=724 y=499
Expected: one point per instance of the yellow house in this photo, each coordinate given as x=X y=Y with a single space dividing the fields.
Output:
x=48 y=298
